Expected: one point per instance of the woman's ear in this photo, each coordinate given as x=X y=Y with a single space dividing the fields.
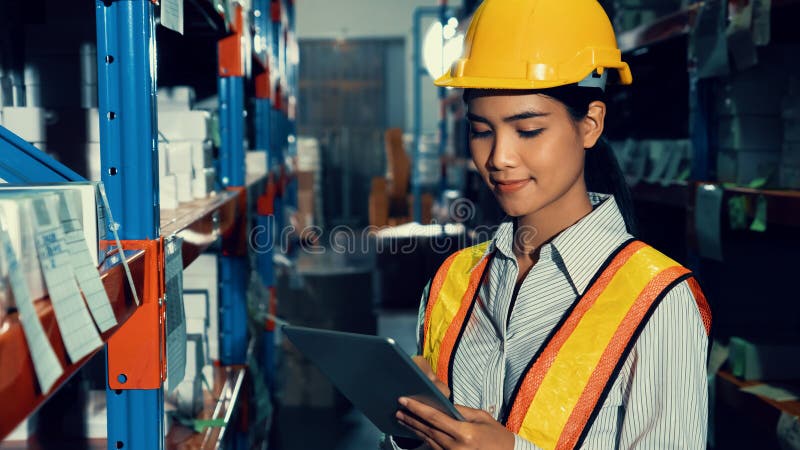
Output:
x=592 y=125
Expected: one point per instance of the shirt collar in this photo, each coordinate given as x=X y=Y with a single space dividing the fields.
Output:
x=583 y=247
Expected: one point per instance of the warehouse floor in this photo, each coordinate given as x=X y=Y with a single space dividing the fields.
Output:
x=306 y=428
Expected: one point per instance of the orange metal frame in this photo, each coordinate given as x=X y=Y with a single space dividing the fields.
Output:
x=136 y=352
x=231 y=48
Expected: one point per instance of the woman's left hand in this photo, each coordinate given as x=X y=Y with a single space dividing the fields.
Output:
x=440 y=432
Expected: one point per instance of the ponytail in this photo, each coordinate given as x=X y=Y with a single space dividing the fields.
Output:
x=604 y=175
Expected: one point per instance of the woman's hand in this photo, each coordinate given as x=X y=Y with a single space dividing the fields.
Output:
x=426 y=369
x=440 y=432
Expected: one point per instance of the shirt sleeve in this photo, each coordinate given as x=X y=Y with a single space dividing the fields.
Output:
x=666 y=395
x=388 y=442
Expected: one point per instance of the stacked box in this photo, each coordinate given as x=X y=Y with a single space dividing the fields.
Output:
x=749 y=124
x=790 y=154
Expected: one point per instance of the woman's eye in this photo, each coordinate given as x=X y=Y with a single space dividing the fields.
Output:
x=527 y=134
x=477 y=134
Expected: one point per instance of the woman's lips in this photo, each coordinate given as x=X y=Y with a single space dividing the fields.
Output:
x=510 y=186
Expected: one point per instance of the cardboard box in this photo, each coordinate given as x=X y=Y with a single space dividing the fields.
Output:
x=742 y=167
x=26 y=122
x=201 y=276
x=305 y=181
x=378 y=209
x=184 y=125
x=305 y=202
x=179 y=156
x=764 y=361
x=256 y=162
x=184 y=184
x=168 y=192
x=755 y=91
x=203 y=183
x=751 y=133
x=398 y=162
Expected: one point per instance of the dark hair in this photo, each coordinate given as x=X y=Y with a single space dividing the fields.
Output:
x=602 y=172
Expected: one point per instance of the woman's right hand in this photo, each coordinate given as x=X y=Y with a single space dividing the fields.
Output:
x=422 y=363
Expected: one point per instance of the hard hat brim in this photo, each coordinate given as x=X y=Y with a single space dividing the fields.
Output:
x=447 y=80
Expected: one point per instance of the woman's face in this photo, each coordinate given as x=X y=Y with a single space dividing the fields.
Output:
x=528 y=149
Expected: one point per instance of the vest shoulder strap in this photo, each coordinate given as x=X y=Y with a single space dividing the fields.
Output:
x=449 y=300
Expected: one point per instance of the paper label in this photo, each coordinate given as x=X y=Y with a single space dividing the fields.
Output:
x=83 y=266
x=176 y=315
x=45 y=362
x=77 y=329
x=172 y=15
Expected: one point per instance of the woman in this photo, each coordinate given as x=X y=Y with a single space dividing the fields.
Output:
x=563 y=331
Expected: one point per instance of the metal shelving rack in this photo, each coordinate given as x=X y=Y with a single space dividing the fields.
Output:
x=136 y=361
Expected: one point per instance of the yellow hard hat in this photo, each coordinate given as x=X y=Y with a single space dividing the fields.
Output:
x=537 y=44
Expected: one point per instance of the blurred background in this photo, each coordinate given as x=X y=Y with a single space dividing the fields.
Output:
x=363 y=185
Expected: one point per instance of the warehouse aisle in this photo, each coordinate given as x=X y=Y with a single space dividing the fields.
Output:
x=306 y=428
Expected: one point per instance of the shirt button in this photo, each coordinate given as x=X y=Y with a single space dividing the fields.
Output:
x=492 y=410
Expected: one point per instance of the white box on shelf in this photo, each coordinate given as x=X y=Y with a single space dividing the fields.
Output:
x=201 y=275
x=203 y=183
x=184 y=125
x=168 y=192
x=179 y=156
x=26 y=122
x=751 y=133
x=202 y=157
x=163 y=164
x=92 y=125
x=256 y=162
x=742 y=167
x=184 y=181
x=93 y=161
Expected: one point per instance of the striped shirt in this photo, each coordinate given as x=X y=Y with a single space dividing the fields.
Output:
x=659 y=399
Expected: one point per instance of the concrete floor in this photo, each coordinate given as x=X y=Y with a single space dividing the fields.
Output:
x=305 y=428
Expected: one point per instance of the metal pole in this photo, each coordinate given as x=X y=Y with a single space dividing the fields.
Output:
x=129 y=145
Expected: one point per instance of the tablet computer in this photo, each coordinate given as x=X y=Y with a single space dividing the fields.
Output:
x=372 y=372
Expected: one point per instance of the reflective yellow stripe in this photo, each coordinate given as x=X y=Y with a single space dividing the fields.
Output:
x=579 y=356
x=449 y=301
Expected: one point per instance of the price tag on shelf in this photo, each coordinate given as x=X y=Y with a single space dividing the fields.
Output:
x=176 y=315
x=45 y=363
x=172 y=15
x=76 y=325
x=82 y=263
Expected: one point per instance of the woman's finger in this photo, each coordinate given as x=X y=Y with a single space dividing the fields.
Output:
x=424 y=429
x=420 y=435
x=431 y=416
x=473 y=415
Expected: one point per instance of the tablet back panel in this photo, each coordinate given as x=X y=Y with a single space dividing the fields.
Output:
x=371 y=371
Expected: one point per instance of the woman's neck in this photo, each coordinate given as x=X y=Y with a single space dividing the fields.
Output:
x=534 y=230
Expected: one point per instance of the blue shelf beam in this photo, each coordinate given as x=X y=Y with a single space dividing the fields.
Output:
x=22 y=163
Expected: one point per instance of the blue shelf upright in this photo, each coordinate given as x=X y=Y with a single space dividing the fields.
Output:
x=128 y=141
x=233 y=268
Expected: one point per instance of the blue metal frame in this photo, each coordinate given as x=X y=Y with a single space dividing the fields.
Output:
x=231 y=130
x=233 y=270
x=22 y=163
x=129 y=160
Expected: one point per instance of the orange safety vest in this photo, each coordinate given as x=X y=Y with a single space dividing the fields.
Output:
x=567 y=381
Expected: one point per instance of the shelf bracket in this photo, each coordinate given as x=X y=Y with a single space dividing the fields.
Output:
x=22 y=163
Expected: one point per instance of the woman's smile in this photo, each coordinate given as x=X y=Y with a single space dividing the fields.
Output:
x=509 y=186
